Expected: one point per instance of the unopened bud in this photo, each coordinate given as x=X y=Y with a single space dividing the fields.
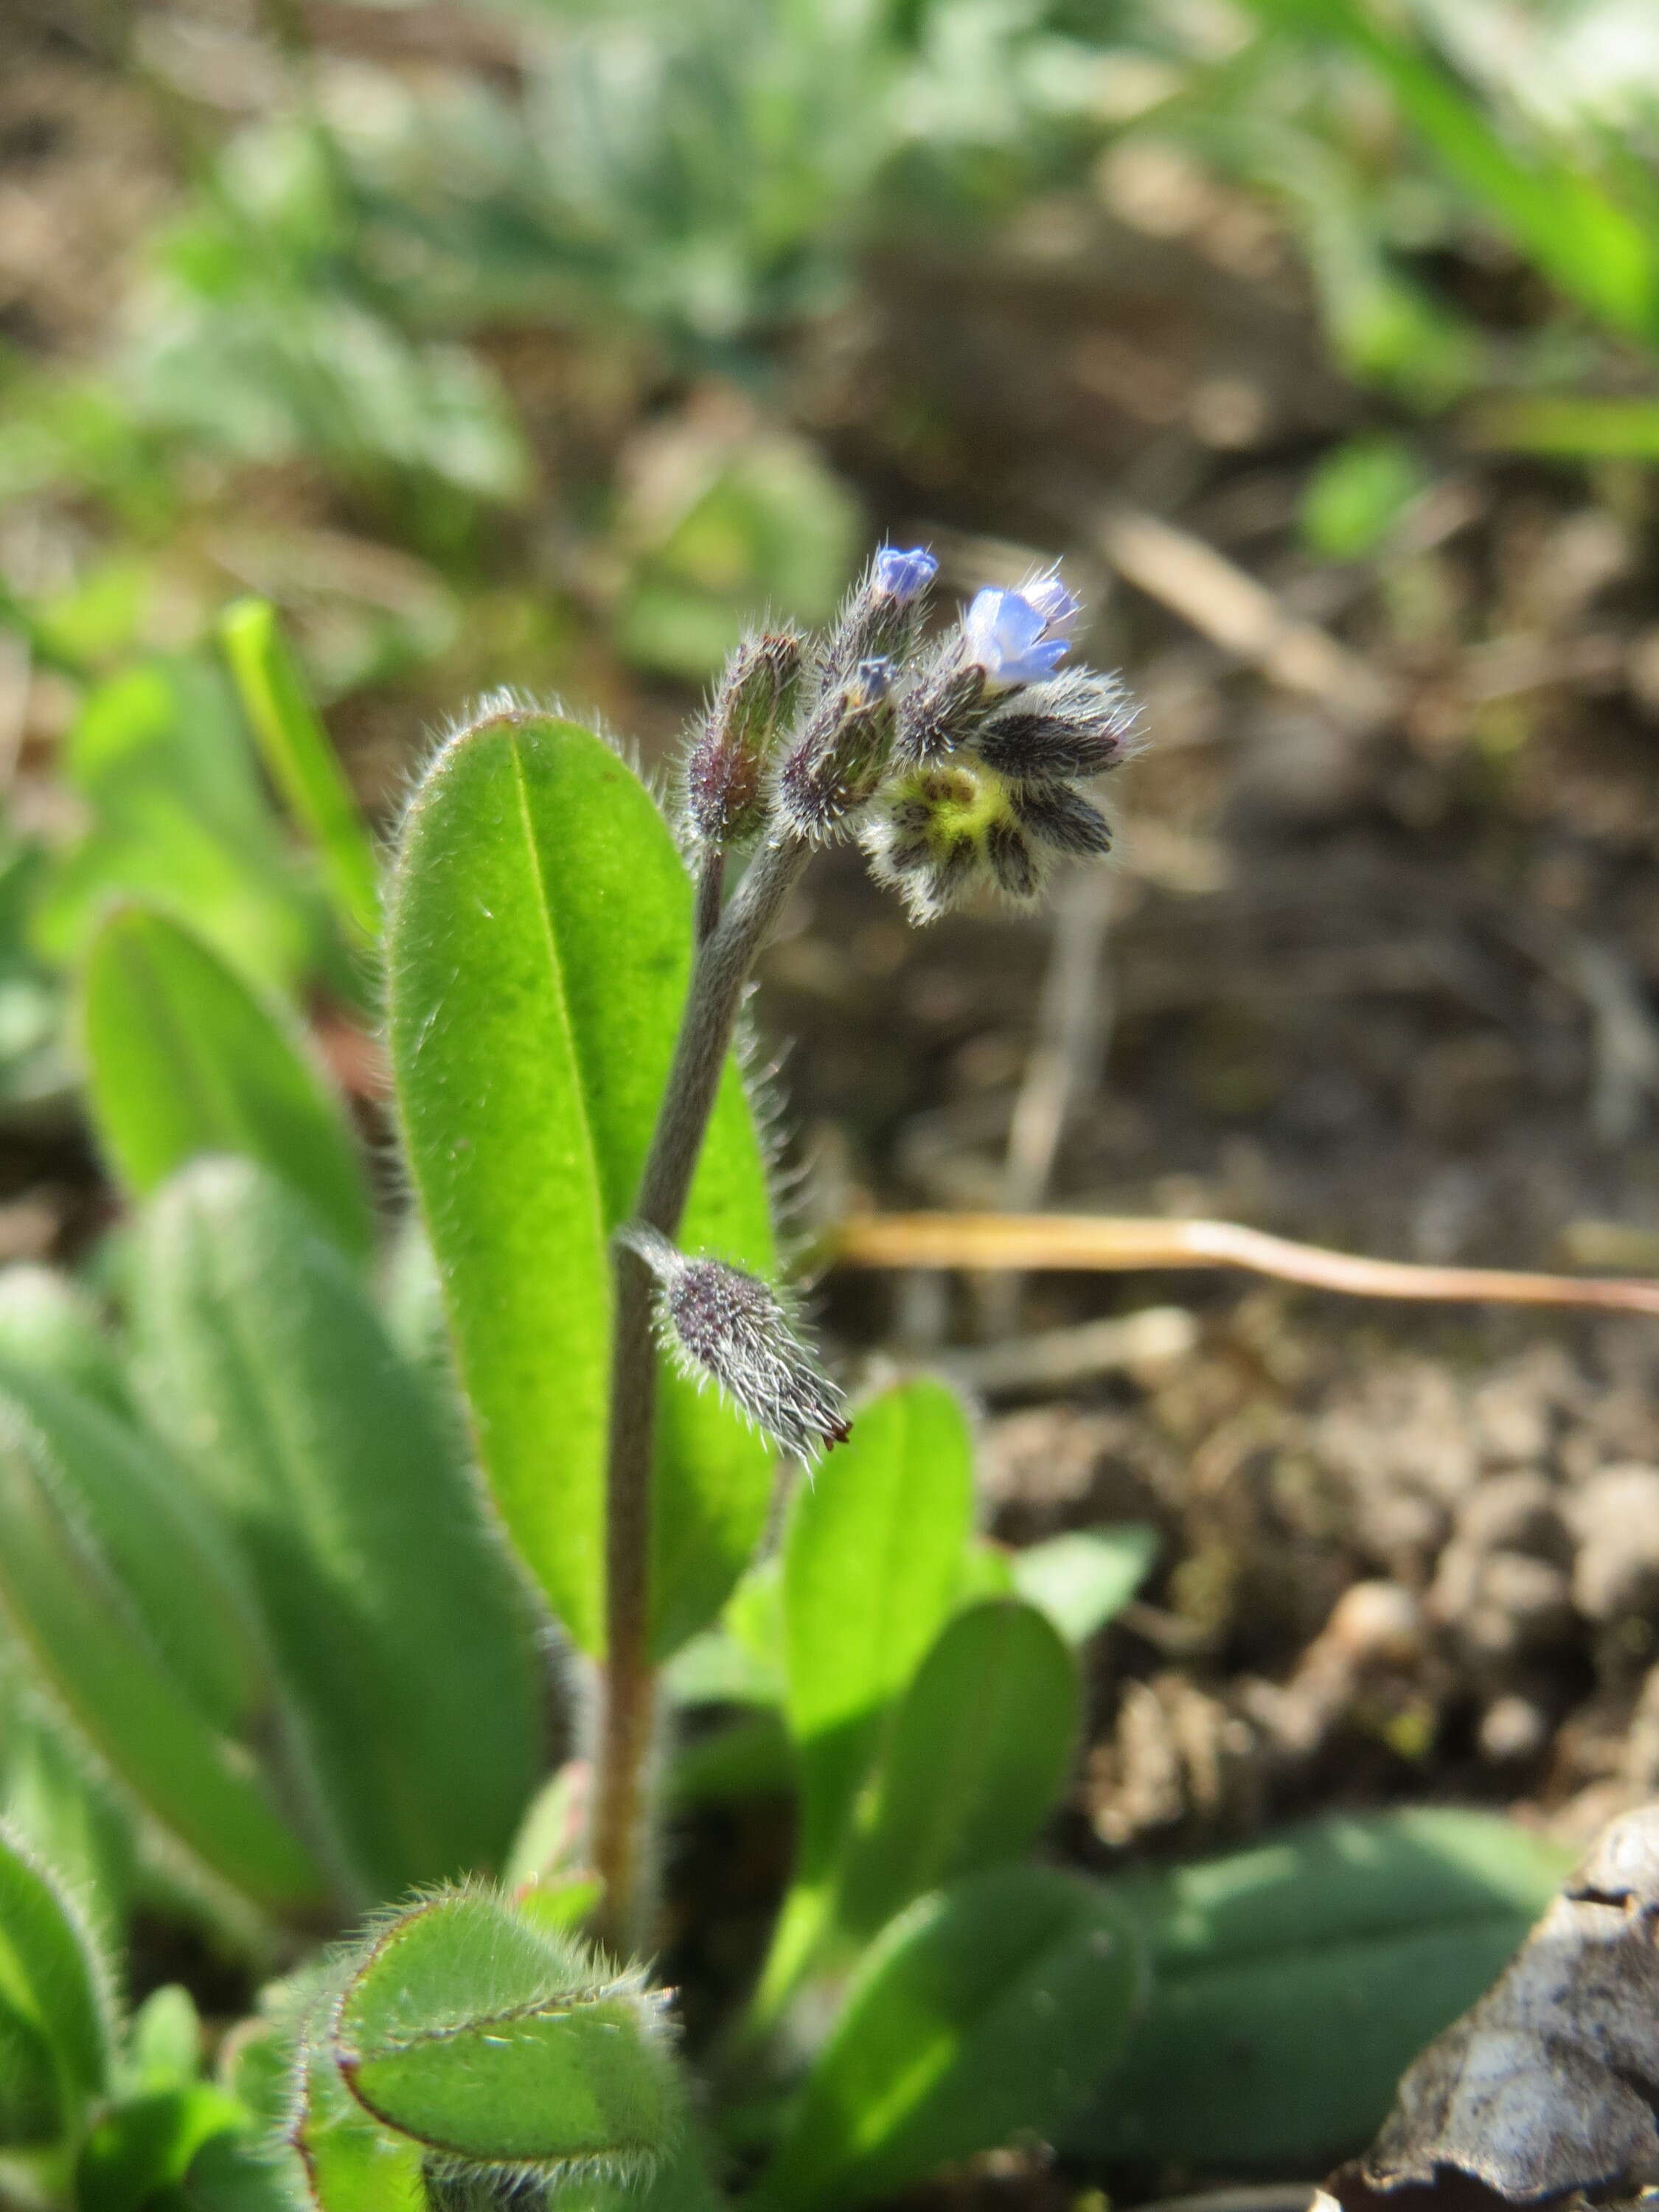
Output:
x=726 y=768
x=839 y=760
x=943 y=712
x=729 y=1327
x=882 y=617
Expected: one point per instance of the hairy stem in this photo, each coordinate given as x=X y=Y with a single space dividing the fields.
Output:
x=711 y=892
x=627 y=1706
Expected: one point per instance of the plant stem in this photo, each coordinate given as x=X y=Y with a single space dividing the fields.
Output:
x=627 y=1713
x=711 y=891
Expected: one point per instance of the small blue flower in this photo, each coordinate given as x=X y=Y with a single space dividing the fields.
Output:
x=1006 y=636
x=1057 y=606
x=902 y=574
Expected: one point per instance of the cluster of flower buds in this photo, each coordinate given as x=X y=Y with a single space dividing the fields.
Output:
x=957 y=766
x=731 y=1328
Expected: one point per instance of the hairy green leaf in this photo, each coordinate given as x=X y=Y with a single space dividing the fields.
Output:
x=874 y=1559
x=54 y=1983
x=350 y=2162
x=1293 y=1982
x=873 y=1562
x=987 y=2009
x=303 y=764
x=976 y=1755
x=491 y=2039
x=97 y=1541
x=538 y=952
x=400 y=1644
x=183 y=1058
x=32 y=2114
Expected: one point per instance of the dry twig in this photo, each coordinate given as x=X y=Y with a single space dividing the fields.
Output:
x=1092 y=1243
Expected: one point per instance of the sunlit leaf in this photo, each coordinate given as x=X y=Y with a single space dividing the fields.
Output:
x=538 y=952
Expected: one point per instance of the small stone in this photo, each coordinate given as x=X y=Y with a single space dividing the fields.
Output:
x=1513 y=1728
x=1617 y=1516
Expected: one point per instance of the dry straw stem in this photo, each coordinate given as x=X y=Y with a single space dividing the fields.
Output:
x=1083 y=1243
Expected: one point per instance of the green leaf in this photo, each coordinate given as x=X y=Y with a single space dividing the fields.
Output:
x=350 y=2162
x=97 y=1539
x=1083 y=1577
x=1358 y=495
x=538 y=953
x=51 y=1797
x=493 y=2040
x=986 y=2010
x=51 y=1325
x=303 y=764
x=1570 y=426
x=183 y=1058
x=399 y=1642
x=55 y=1989
x=871 y=1564
x=32 y=2114
x=873 y=1561
x=1598 y=251
x=164 y=2042
x=177 y=816
x=1293 y=1983
x=143 y=2149
x=230 y=2173
x=977 y=1753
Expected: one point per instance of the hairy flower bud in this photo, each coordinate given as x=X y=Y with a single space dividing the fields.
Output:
x=882 y=616
x=726 y=767
x=942 y=711
x=1075 y=726
x=838 y=763
x=723 y=1326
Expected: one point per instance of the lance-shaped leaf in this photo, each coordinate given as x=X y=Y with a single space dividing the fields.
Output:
x=303 y=764
x=494 y=2040
x=55 y=2000
x=134 y=1618
x=1292 y=1982
x=184 y=1059
x=538 y=952
x=399 y=1643
x=988 y=2009
x=874 y=1562
x=977 y=1753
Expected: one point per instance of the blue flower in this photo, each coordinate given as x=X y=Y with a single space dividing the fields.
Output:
x=902 y=574
x=1004 y=633
x=1057 y=606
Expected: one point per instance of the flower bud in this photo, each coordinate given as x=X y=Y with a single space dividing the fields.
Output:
x=942 y=711
x=839 y=762
x=731 y=1329
x=882 y=616
x=726 y=768
x=1076 y=726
